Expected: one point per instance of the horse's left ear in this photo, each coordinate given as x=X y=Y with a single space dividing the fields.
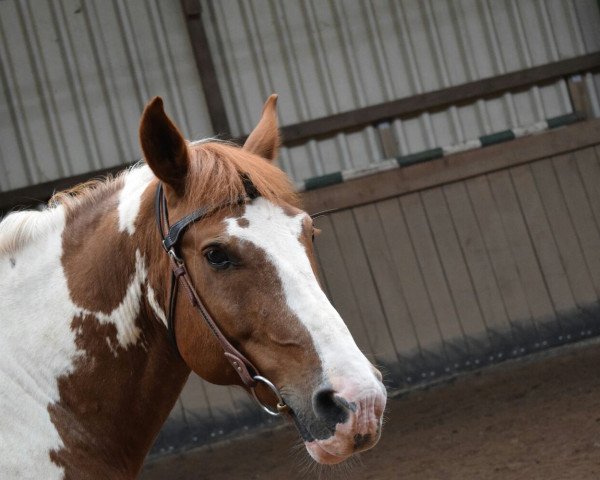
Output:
x=264 y=139
x=165 y=149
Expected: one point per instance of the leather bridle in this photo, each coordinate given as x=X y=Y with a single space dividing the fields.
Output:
x=171 y=237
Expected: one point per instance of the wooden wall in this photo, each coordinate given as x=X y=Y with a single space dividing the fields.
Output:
x=467 y=273
x=491 y=254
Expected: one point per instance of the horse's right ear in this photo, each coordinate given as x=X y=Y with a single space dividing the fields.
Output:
x=164 y=147
x=264 y=140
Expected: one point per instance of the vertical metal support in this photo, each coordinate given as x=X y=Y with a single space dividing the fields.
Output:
x=388 y=140
x=579 y=96
x=192 y=11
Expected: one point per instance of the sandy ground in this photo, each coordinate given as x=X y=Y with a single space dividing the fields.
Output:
x=530 y=419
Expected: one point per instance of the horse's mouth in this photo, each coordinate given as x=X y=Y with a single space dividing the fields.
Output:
x=320 y=455
x=330 y=445
x=316 y=451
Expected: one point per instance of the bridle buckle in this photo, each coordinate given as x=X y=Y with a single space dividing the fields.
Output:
x=178 y=260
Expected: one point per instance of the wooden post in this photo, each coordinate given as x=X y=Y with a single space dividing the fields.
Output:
x=388 y=140
x=580 y=99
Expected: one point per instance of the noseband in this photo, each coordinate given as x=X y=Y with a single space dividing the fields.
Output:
x=171 y=237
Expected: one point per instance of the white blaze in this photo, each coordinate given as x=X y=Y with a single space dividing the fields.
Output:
x=278 y=235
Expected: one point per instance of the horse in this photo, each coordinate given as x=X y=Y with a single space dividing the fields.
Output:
x=199 y=259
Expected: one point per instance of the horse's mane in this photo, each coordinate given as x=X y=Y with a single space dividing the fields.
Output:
x=214 y=178
x=19 y=228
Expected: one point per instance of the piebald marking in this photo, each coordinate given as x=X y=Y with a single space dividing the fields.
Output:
x=156 y=308
x=130 y=198
x=123 y=317
x=37 y=344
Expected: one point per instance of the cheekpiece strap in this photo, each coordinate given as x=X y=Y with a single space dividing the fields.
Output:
x=171 y=236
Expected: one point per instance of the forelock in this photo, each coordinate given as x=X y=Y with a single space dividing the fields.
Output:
x=216 y=170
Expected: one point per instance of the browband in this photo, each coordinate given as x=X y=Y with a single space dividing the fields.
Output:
x=174 y=232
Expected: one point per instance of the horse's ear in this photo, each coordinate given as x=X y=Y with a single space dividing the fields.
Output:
x=163 y=145
x=264 y=139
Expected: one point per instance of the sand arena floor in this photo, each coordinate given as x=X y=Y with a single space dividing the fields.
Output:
x=537 y=418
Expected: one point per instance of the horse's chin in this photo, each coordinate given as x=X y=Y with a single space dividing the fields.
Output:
x=320 y=455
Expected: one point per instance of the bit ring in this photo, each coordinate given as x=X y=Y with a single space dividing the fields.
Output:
x=282 y=407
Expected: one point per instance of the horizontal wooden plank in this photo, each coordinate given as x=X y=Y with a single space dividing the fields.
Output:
x=438 y=99
x=452 y=168
x=384 y=184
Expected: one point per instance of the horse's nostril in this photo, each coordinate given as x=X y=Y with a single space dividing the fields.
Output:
x=329 y=407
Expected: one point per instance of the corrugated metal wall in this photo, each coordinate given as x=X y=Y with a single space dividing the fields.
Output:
x=75 y=77
x=328 y=56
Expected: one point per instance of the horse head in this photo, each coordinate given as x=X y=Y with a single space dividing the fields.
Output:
x=252 y=263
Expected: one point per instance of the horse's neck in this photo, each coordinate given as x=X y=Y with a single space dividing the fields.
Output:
x=87 y=362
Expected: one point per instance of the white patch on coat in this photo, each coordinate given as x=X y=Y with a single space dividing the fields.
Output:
x=125 y=315
x=130 y=198
x=158 y=311
x=37 y=346
x=278 y=235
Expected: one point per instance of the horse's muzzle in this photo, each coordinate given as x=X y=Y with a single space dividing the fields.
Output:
x=354 y=414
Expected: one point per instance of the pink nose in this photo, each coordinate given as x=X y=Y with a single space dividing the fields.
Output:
x=354 y=411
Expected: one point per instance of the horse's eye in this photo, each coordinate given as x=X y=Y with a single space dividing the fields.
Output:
x=217 y=258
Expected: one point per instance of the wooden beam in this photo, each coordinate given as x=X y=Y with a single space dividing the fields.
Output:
x=390 y=183
x=192 y=11
x=452 y=168
x=439 y=99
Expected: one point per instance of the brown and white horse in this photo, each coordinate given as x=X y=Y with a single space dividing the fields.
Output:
x=87 y=372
